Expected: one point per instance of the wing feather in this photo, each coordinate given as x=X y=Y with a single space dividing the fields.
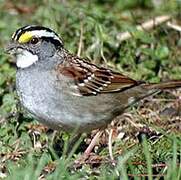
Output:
x=91 y=79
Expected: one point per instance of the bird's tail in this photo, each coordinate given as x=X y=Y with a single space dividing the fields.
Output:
x=150 y=89
x=164 y=85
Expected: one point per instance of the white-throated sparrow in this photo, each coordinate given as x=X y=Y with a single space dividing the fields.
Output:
x=66 y=92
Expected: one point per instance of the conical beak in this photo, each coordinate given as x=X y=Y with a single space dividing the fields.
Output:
x=11 y=48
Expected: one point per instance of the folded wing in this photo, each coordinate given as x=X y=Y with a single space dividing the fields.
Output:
x=93 y=80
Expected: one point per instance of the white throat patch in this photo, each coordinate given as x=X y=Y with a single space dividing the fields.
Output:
x=25 y=59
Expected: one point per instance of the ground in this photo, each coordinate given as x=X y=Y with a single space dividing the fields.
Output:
x=146 y=139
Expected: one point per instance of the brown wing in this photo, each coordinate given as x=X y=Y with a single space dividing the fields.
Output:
x=92 y=80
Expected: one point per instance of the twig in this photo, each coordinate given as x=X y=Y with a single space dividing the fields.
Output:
x=110 y=150
x=146 y=175
x=153 y=165
x=110 y=144
x=174 y=26
x=129 y=118
x=148 y=25
x=80 y=40
x=93 y=143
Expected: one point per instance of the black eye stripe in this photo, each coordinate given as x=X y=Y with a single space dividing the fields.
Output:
x=56 y=42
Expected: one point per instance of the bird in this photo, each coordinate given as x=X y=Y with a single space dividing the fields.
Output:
x=67 y=92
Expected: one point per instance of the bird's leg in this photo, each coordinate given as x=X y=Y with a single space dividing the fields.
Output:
x=92 y=143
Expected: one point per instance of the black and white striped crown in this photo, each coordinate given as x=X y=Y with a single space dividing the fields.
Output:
x=22 y=35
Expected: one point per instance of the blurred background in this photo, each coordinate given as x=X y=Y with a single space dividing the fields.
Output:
x=92 y=29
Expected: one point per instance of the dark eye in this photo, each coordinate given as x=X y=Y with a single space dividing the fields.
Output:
x=34 y=41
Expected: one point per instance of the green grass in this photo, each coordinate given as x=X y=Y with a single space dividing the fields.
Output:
x=27 y=149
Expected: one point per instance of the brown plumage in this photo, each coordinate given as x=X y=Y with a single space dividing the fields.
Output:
x=165 y=85
x=92 y=80
x=67 y=92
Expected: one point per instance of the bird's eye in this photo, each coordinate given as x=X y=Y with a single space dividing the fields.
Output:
x=34 y=41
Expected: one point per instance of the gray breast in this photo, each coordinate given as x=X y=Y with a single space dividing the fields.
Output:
x=50 y=102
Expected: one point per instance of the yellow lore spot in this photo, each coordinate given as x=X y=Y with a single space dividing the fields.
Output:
x=26 y=37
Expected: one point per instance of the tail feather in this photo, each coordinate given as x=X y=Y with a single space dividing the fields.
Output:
x=165 y=85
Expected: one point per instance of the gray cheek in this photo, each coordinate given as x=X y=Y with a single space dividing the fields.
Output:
x=47 y=49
